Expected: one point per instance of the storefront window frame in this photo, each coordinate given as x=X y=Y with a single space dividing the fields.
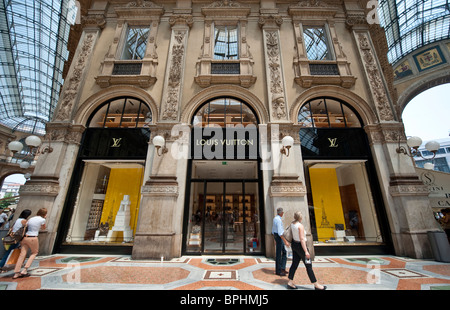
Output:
x=312 y=122
x=384 y=247
x=61 y=246
x=190 y=180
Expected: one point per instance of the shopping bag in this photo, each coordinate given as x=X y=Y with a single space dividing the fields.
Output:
x=13 y=257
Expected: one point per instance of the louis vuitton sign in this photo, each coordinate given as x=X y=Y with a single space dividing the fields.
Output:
x=115 y=143
x=225 y=143
x=334 y=143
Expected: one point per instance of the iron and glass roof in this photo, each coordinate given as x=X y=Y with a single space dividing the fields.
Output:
x=34 y=35
x=411 y=24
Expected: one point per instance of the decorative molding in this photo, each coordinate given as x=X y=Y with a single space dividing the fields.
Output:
x=73 y=82
x=408 y=190
x=274 y=74
x=64 y=132
x=139 y=10
x=225 y=12
x=334 y=72
x=386 y=133
x=40 y=186
x=161 y=186
x=375 y=79
x=175 y=74
x=226 y=9
x=407 y=185
x=286 y=187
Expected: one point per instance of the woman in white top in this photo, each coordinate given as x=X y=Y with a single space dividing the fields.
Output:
x=300 y=251
x=21 y=221
x=30 y=241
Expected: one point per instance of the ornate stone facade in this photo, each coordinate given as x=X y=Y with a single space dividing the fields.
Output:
x=272 y=76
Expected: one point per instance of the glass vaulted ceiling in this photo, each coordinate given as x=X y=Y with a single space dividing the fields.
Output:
x=411 y=24
x=34 y=35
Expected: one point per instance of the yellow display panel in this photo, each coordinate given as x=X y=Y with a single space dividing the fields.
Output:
x=123 y=182
x=327 y=201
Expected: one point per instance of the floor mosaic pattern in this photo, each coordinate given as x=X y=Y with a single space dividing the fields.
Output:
x=78 y=272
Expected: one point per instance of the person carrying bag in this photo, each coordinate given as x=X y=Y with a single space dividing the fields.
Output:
x=15 y=235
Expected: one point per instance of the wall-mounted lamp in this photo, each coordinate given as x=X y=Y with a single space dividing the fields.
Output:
x=414 y=143
x=34 y=143
x=160 y=144
x=287 y=142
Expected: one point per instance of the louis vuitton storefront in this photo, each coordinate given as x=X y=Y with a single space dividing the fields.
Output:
x=347 y=214
x=183 y=125
x=102 y=207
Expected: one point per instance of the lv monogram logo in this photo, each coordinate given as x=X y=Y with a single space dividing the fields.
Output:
x=333 y=142
x=116 y=142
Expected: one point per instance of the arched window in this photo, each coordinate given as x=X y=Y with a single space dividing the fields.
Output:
x=224 y=112
x=325 y=112
x=123 y=112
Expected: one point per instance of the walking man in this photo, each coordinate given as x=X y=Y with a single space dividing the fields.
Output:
x=280 y=241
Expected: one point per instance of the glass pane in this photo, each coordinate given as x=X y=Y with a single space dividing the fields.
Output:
x=136 y=43
x=224 y=112
x=248 y=117
x=145 y=116
x=216 y=114
x=233 y=112
x=122 y=113
x=341 y=204
x=233 y=233
x=251 y=217
x=319 y=113
x=214 y=217
x=115 y=113
x=304 y=116
x=316 y=43
x=335 y=116
x=200 y=119
x=99 y=118
x=195 y=225
x=107 y=205
x=351 y=117
x=225 y=42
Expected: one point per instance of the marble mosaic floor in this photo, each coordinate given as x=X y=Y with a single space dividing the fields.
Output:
x=83 y=272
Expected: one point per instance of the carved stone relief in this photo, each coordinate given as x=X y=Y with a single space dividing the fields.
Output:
x=72 y=89
x=173 y=86
x=275 y=75
x=376 y=84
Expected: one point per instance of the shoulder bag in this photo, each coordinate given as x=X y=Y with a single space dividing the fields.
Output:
x=288 y=233
x=14 y=238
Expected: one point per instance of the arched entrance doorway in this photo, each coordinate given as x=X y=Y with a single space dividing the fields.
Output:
x=223 y=207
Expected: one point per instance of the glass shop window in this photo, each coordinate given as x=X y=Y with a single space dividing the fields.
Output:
x=341 y=205
x=224 y=112
x=123 y=112
x=326 y=112
x=107 y=205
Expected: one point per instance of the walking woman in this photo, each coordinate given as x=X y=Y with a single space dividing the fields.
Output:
x=20 y=222
x=300 y=251
x=30 y=241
